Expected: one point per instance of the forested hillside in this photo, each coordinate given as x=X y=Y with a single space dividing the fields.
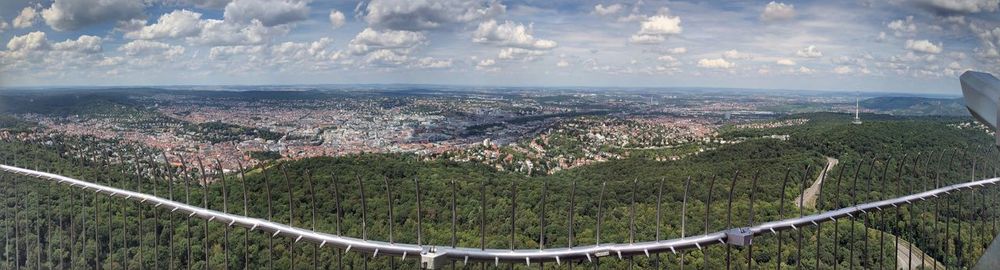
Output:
x=921 y=140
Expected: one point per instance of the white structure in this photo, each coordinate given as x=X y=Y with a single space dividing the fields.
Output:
x=982 y=93
x=857 y=111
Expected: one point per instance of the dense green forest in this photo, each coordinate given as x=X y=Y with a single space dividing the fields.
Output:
x=925 y=152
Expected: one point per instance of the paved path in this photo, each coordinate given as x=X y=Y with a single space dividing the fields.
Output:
x=813 y=191
x=903 y=254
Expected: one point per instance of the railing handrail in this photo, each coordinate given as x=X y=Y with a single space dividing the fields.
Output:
x=434 y=255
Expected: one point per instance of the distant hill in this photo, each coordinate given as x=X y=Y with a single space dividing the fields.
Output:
x=916 y=106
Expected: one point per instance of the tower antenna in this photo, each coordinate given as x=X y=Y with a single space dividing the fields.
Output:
x=857 y=110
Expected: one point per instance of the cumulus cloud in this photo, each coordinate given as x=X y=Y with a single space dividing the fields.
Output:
x=775 y=11
x=370 y=40
x=562 y=63
x=510 y=34
x=143 y=48
x=33 y=41
x=432 y=63
x=924 y=46
x=677 y=50
x=419 y=15
x=656 y=29
x=785 y=62
x=519 y=54
x=337 y=19
x=989 y=40
x=179 y=23
x=66 y=15
x=959 y=6
x=201 y=3
x=302 y=52
x=487 y=62
x=602 y=10
x=666 y=58
x=26 y=18
x=222 y=33
x=225 y=52
x=903 y=27
x=809 y=52
x=83 y=44
x=734 y=55
x=842 y=70
x=3 y=25
x=268 y=12
x=717 y=63
x=37 y=41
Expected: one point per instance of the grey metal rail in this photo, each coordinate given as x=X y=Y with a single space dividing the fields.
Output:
x=435 y=256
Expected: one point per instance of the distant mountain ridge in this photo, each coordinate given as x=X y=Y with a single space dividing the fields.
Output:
x=916 y=105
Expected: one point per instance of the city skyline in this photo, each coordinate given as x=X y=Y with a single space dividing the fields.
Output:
x=916 y=46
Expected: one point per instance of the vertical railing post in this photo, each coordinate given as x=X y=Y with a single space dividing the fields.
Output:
x=802 y=207
x=708 y=214
x=753 y=192
x=687 y=185
x=225 y=209
x=312 y=203
x=291 y=214
x=781 y=215
x=246 y=212
x=729 y=216
x=819 y=207
x=340 y=213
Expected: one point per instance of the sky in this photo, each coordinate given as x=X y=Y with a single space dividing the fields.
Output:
x=912 y=46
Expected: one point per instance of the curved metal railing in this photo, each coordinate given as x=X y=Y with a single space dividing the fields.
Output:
x=435 y=256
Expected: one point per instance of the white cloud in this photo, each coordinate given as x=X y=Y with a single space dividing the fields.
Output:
x=842 y=70
x=337 y=19
x=923 y=46
x=370 y=40
x=734 y=55
x=309 y=53
x=510 y=34
x=225 y=52
x=718 y=63
x=602 y=10
x=176 y=24
x=903 y=27
x=3 y=25
x=222 y=33
x=519 y=54
x=989 y=40
x=200 y=3
x=656 y=29
x=666 y=58
x=959 y=6
x=432 y=63
x=785 y=62
x=562 y=63
x=37 y=41
x=775 y=11
x=647 y=39
x=26 y=18
x=145 y=48
x=66 y=15
x=83 y=44
x=678 y=50
x=805 y=70
x=33 y=41
x=268 y=12
x=487 y=62
x=809 y=52
x=413 y=15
